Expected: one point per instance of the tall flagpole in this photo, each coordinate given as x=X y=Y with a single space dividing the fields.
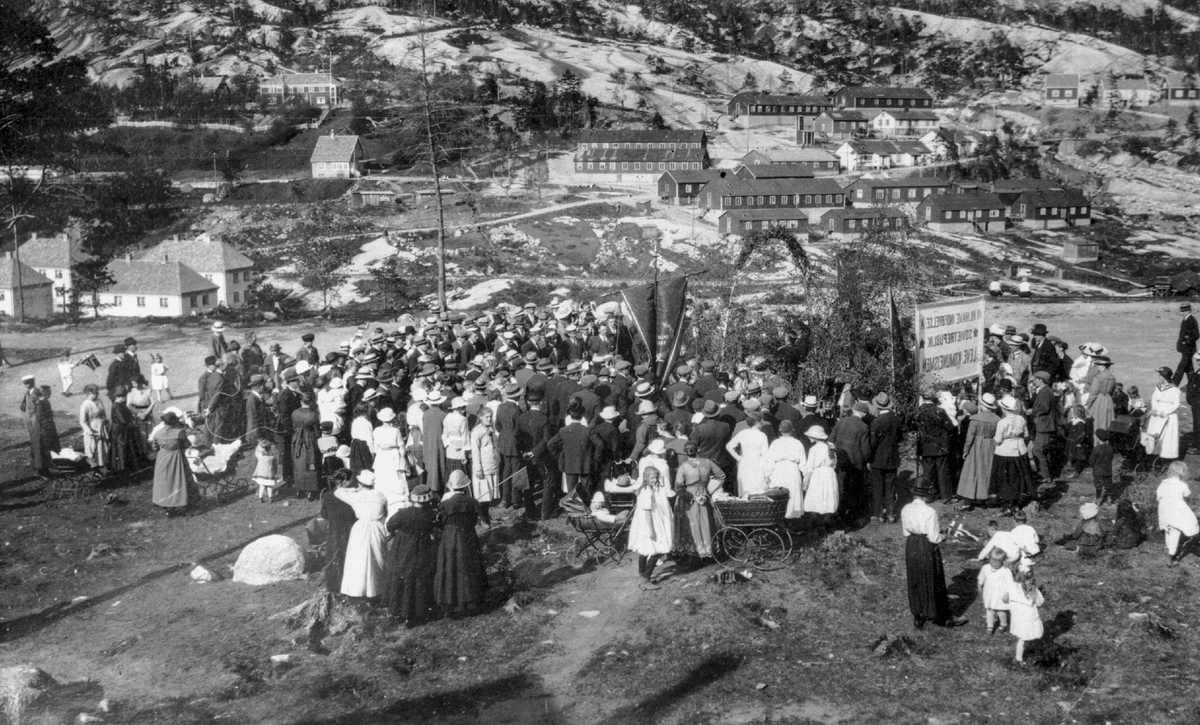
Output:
x=892 y=326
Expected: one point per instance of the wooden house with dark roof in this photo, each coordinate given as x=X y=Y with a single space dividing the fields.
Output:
x=963 y=213
x=773 y=171
x=878 y=97
x=841 y=125
x=53 y=257
x=847 y=224
x=819 y=161
x=814 y=195
x=743 y=221
x=889 y=191
x=763 y=109
x=316 y=89
x=682 y=187
x=638 y=157
x=1051 y=209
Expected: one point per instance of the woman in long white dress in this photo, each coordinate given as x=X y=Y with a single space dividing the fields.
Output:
x=1163 y=422
x=785 y=458
x=651 y=531
x=331 y=404
x=820 y=478
x=749 y=448
x=390 y=469
x=363 y=572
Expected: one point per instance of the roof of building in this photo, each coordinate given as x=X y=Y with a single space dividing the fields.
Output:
x=692 y=176
x=781 y=99
x=149 y=277
x=887 y=148
x=1054 y=197
x=613 y=153
x=776 y=171
x=846 y=115
x=376 y=186
x=1010 y=185
x=300 y=79
x=1062 y=80
x=203 y=254
x=863 y=213
x=783 y=212
x=56 y=252
x=958 y=135
x=905 y=114
x=335 y=148
x=30 y=277
x=197 y=176
x=964 y=201
x=1127 y=84
x=793 y=156
x=643 y=135
x=904 y=183
x=737 y=186
x=210 y=84
x=884 y=92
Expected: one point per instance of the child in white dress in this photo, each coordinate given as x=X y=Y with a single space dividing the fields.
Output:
x=995 y=579
x=1023 y=599
x=820 y=478
x=266 y=469
x=66 y=368
x=651 y=535
x=158 y=378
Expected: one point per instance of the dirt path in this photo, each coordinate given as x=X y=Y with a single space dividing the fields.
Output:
x=600 y=605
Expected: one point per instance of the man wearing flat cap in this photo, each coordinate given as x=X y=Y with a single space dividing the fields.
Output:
x=1043 y=420
x=308 y=351
x=120 y=372
x=1185 y=344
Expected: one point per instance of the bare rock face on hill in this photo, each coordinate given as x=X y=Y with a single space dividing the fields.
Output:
x=269 y=560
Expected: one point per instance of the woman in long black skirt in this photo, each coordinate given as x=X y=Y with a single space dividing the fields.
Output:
x=927 y=595
x=1012 y=476
x=408 y=591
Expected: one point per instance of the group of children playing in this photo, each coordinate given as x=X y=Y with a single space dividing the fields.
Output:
x=1006 y=583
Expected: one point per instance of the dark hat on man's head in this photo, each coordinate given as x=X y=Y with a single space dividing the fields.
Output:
x=1166 y=372
x=679 y=399
x=130 y=341
x=210 y=360
x=1042 y=375
x=307 y=337
x=1039 y=329
x=711 y=409
x=118 y=349
x=923 y=488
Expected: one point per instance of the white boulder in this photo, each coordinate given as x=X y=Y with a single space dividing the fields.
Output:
x=269 y=560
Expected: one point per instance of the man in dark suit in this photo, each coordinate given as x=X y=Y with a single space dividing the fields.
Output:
x=556 y=407
x=118 y=371
x=808 y=409
x=608 y=449
x=587 y=397
x=785 y=410
x=1043 y=420
x=1185 y=345
x=710 y=436
x=308 y=352
x=217 y=347
x=286 y=403
x=574 y=449
x=730 y=413
x=533 y=439
x=682 y=384
x=621 y=384
x=851 y=439
x=707 y=380
x=935 y=431
x=681 y=409
x=1042 y=355
x=886 y=434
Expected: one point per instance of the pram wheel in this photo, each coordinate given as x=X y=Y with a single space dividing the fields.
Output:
x=768 y=549
x=729 y=547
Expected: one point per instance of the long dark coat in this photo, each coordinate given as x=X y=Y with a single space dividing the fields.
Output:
x=432 y=448
x=574 y=449
x=408 y=591
x=43 y=435
x=460 y=578
x=258 y=418
x=341 y=518
x=306 y=459
x=126 y=449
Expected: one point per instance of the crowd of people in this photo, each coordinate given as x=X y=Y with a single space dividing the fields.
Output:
x=412 y=436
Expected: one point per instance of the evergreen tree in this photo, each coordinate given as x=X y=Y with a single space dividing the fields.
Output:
x=750 y=83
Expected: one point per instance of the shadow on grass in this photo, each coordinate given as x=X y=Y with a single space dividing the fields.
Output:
x=962 y=590
x=15 y=629
x=653 y=708
x=524 y=690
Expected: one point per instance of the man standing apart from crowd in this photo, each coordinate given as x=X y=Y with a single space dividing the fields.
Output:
x=1185 y=345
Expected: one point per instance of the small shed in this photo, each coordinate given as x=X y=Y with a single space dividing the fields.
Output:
x=1080 y=250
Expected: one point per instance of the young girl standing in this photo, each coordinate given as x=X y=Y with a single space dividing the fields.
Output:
x=1023 y=599
x=995 y=579
x=650 y=534
x=266 y=469
x=158 y=378
x=66 y=372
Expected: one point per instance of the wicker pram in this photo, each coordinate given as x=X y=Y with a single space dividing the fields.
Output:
x=752 y=533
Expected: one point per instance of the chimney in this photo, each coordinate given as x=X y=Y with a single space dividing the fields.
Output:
x=33 y=237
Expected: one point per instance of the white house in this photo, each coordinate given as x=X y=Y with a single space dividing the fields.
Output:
x=336 y=157
x=1125 y=93
x=866 y=154
x=52 y=257
x=219 y=263
x=904 y=122
x=149 y=288
x=37 y=298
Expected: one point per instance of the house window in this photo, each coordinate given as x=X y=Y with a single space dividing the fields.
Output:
x=204 y=300
x=591 y=165
x=1072 y=211
x=58 y=274
x=1053 y=211
x=624 y=166
x=995 y=213
x=320 y=100
x=687 y=188
x=141 y=301
x=912 y=193
x=192 y=299
x=3 y=296
x=237 y=297
x=747 y=225
x=737 y=201
x=853 y=223
x=1022 y=210
x=1054 y=94
x=772 y=202
x=320 y=166
x=859 y=194
x=895 y=193
x=116 y=300
x=662 y=166
x=578 y=166
x=808 y=199
x=924 y=193
x=163 y=302
x=1083 y=210
x=637 y=166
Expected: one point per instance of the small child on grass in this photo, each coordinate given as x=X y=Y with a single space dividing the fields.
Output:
x=1023 y=599
x=266 y=468
x=1101 y=463
x=995 y=579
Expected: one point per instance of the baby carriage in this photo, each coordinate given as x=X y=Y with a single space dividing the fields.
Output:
x=72 y=475
x=215 y=469
x=603 y=525
x=752 y=532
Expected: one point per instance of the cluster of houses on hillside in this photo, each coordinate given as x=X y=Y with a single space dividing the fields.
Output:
x=1071 y=89
x=177 y=277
